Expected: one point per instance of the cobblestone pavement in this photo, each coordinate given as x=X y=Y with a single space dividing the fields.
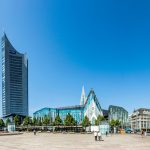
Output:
x=50 y=141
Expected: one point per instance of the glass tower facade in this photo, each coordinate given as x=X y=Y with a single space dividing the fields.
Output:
x=91 y=109
x=118 y=113
x=14 y=81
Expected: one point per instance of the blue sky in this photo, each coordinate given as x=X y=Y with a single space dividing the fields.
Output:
x=104 y=45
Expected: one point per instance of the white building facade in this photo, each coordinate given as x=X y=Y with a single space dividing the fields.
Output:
x=140 y=119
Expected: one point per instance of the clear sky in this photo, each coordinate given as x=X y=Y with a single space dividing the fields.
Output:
x=101 y=44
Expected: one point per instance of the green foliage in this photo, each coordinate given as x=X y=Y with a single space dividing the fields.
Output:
x=86 y=122
x=26 y=121
x=58 y=121
x=16 y=120
x=70 y=121
x=118 y=123
x=2 y=124
x=7 y=121
x=46 y=120
x=39 y=121
x=114 y=123
x=34 y=121
x=99 y=119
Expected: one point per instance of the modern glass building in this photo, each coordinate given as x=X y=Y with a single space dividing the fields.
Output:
x=118 y=113
x=91 y=108
x=75 y=111
x=14 y=81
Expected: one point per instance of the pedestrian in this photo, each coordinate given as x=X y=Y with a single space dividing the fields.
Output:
x=34 y=132
x=95 y=135
x=99 y=136
x=142 y=133
x=106 y=133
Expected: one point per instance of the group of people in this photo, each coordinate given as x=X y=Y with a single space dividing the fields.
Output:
x=98 y=136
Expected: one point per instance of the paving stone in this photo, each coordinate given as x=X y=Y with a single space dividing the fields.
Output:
x=50 y=141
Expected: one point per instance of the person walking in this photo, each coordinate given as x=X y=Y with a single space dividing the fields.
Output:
x=106 y=133
x=95 y=135
x=99 y=136
x=34 y=132
x=142 y=133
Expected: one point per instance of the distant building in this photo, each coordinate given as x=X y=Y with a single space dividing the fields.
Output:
x=140 y=119
x=14 y=81
x=90 y=107
x=118 y=113
x=129 y=121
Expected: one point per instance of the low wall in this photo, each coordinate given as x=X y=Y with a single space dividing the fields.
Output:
x=10 y=133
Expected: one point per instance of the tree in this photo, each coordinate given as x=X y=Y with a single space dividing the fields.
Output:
x=16 y=120
x=112 y=123
x=57 y=121
x=26 y=121
x=34 y=121
x=86 y=122
x=99 y=119
x=115 y=123
x=39 y=122
x=7 y=121
x=46 y=120
x=69 y=120
x=2 y=124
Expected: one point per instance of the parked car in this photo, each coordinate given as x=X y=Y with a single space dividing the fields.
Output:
x=128 y=130
x=148 y=133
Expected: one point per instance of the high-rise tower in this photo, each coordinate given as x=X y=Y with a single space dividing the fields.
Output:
x=14 y=81
x=83 y=98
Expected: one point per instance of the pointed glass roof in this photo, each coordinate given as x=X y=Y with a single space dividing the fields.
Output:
x=8 y=45
x=92 y=93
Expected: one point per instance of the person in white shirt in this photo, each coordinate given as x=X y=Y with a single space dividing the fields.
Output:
x=99 y=135
x=95 y=135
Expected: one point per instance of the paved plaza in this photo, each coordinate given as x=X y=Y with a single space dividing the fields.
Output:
x=50 y=141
